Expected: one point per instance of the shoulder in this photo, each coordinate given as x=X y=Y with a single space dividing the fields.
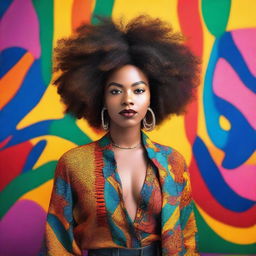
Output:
x=75 y=162
x=173 y=158
x=171 y=153
x=78 y=154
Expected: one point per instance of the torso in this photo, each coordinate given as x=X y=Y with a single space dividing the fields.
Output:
x=131 y=167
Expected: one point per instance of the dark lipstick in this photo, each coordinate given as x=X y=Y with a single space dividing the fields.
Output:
x=128 y=112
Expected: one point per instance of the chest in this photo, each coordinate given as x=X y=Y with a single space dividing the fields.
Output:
x=131 y=169
x=132 y=180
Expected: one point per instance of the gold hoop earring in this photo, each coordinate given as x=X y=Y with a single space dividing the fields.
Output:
x=105 y=125
x=149 y=126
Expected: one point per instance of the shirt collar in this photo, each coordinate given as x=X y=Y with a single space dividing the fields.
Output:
x=156 y=152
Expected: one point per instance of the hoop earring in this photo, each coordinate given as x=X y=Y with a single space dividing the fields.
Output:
x=105 y=125
x=149 y=126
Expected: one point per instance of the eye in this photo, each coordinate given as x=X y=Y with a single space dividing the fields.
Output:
x=115 y=91
x=139 y=91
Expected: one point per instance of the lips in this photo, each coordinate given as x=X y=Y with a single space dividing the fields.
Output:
x=128 y=112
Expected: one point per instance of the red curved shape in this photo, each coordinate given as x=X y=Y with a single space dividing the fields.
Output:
x=5 y=141
x=191 y=121
x=190 y=23
x=10 y=166
x=81 y=12
x=206 y=201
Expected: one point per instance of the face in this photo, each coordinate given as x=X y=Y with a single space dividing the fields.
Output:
x=127 y=97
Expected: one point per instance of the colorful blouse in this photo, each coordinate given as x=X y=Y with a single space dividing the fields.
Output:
x=87 y=211
x=145 y=228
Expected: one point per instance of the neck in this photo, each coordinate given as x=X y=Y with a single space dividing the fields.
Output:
x=125 y=137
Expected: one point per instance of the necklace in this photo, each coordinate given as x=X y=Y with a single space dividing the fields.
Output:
x=117 y=146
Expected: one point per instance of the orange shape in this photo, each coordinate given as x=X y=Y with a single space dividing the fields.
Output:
x=12 y=81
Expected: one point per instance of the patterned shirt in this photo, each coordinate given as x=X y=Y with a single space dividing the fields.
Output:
x=146 y=226
x=87 y=211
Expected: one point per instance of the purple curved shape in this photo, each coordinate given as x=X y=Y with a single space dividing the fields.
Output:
x=22 y=229
x=228 y=86
x=241 y=179
x=245 y=40
x=20 y=28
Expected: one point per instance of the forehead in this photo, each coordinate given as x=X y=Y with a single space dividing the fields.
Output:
x=127 y=75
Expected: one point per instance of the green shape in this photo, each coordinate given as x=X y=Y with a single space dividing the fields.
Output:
x=25 y=183
x=44 y=11
x=216 y=14
x=67 y=128
x=102 y=8
x=210 y=242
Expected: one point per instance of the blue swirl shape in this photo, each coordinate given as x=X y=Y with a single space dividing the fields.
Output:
x=215 y=182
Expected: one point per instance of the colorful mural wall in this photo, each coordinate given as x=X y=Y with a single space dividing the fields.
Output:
x=216 y=136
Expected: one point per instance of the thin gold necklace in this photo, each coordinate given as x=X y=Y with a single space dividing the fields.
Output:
x=117 y=146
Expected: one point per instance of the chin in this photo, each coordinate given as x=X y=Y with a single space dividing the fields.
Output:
x=127 y=124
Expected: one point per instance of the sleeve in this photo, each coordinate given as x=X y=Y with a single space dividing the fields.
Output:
x=58 y=237
x=187 y=217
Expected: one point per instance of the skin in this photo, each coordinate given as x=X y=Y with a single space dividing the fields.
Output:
x=128 y=88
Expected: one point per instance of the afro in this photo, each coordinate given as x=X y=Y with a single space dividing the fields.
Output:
x=84 y=61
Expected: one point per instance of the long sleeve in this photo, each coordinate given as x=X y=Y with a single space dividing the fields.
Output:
x=59 y=239
x=187 y=217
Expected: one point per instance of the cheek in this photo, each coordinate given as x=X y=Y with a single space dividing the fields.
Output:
x=144 y=101
x=111 y=105
x=109 y=101
x=143 y=104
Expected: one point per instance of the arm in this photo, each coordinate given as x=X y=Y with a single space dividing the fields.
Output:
x=187 y=217
x=59 y=239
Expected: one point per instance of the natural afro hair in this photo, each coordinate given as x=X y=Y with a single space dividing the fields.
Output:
x=84 y=61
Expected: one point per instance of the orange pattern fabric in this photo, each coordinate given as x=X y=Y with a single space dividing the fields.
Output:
x=87 y=211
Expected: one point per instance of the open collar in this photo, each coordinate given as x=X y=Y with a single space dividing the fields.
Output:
x=160 y=156
x=157 y=153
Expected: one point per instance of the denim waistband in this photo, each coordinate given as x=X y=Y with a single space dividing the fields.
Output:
x=149 y=250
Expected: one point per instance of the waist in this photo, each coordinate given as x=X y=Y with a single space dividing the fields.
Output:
x=153 y=249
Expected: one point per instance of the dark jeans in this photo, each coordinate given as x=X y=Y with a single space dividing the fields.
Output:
x=153 y=249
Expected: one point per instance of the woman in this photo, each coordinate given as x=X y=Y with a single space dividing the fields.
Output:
x=123 y=194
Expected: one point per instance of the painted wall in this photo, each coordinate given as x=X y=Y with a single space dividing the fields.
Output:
x=216 y=136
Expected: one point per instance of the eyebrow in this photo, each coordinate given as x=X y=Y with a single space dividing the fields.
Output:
x=120 y=85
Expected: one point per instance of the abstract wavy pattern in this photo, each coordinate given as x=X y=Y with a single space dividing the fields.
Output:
x=216 y=136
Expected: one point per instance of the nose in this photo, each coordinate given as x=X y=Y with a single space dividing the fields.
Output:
x=127 y=99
